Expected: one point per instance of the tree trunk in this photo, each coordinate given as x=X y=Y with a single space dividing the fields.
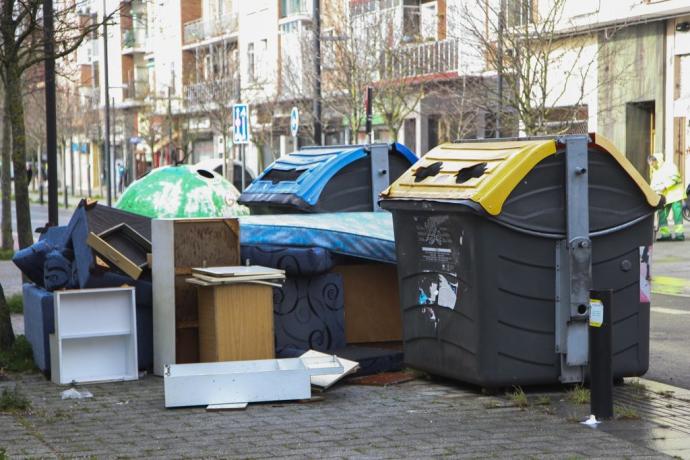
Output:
x=21 y=189
x=6 y=332
x=6 y=180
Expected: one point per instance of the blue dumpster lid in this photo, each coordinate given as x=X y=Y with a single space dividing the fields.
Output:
x=305 y=173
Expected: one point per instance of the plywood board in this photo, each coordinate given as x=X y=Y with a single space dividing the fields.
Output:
x=372 y=306
x=236 y=323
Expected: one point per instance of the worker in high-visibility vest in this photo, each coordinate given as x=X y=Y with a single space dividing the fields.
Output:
x=666 y=181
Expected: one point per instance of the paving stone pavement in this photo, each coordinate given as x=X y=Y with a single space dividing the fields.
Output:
x=419 y=419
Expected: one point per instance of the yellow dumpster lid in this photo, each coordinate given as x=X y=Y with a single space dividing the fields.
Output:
x=489 y=171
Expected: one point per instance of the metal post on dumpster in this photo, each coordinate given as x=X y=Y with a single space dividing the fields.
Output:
x=601 y=354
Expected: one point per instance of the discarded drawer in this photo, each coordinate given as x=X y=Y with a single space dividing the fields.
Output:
x=123 y=247
x=244 y=381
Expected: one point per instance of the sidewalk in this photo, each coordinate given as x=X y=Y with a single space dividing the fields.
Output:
x=419 y=419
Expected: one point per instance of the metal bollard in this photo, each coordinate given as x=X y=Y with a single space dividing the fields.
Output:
x=601 y=355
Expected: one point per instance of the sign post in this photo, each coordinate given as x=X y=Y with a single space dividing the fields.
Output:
x=240 y=130
x=294 y=126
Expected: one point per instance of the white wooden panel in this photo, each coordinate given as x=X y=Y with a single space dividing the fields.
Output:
x=78 y=316
x=163 y=280
x=206 y=384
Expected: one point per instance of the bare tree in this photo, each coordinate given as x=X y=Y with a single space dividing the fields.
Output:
x=543 y=68
x=22 y=49
x=6 y=177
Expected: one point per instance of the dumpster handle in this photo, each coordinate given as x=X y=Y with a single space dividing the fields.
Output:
x=559 y=236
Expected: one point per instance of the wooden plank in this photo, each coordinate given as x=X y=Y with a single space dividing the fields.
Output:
x=113 y=256
x=372 y=306
x=236 y=271
x=236 y=279
x=199 y=282
x=208 y=343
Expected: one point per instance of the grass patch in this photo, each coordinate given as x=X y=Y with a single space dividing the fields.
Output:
x=626 y=413
x=13 y=401
x=6 y=254
x=19 y=358
x=519 y=398
x=543 y=400
x=15 y=303
x=578 y=395
x=637 y=390
x=492 y=405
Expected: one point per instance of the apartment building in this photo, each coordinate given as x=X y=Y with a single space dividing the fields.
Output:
x=173 y=64
x=175 y=67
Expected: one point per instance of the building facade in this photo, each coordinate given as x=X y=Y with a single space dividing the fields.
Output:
x=176 y=67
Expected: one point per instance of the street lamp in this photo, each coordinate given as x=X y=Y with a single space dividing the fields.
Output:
x=51 y=123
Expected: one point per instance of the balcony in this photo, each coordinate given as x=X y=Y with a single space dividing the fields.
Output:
x=371 y=6
x=422 y=59
x=207 y=93
x=205 y=29
x=133 y=40
x=291 y=8
x=136 y=90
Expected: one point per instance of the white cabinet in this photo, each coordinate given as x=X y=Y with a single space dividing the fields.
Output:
x=95 y=336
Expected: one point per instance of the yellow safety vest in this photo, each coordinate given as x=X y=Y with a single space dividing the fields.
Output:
x=666 y=180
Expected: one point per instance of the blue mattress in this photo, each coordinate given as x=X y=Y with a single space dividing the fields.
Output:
x=367 y=235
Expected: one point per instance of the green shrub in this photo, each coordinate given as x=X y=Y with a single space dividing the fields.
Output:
x=19 y=358
x=15 y=303
x=13 y=401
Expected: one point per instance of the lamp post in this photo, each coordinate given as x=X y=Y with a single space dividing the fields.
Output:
x=51 y=122
x=107 y=110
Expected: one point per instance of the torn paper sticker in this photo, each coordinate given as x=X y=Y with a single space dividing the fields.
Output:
x=447 y=292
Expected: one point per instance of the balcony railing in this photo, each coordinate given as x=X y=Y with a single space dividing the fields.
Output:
x=212 y=92
x=421 y=59
x=295 y=8
x=135 y=90
x=133 y=38
x=371 y=6
x=204 y=28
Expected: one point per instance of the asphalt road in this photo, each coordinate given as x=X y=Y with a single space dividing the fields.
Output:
x=669 y=354
x=39 y=216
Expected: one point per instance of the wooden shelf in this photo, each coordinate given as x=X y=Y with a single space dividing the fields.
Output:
x=92 y=335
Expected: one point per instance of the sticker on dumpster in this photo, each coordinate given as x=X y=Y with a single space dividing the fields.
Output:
x=596 y=312
x=447 y=293
x=442 y=293
x=435 y=242
x=645 y=274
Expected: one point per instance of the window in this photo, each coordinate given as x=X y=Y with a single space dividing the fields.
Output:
x=292 y=7
x=250 y=62
x=520 y=12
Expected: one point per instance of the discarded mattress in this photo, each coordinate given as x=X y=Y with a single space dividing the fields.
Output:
x=366 y=235
x=294 y=261
x=309 y=313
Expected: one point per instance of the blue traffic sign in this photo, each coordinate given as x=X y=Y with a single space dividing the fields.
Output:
x=240 y=123
x=294 y=121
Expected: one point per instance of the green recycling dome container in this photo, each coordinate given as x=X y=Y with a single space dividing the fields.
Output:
x=181 y=191
x=479 y=227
